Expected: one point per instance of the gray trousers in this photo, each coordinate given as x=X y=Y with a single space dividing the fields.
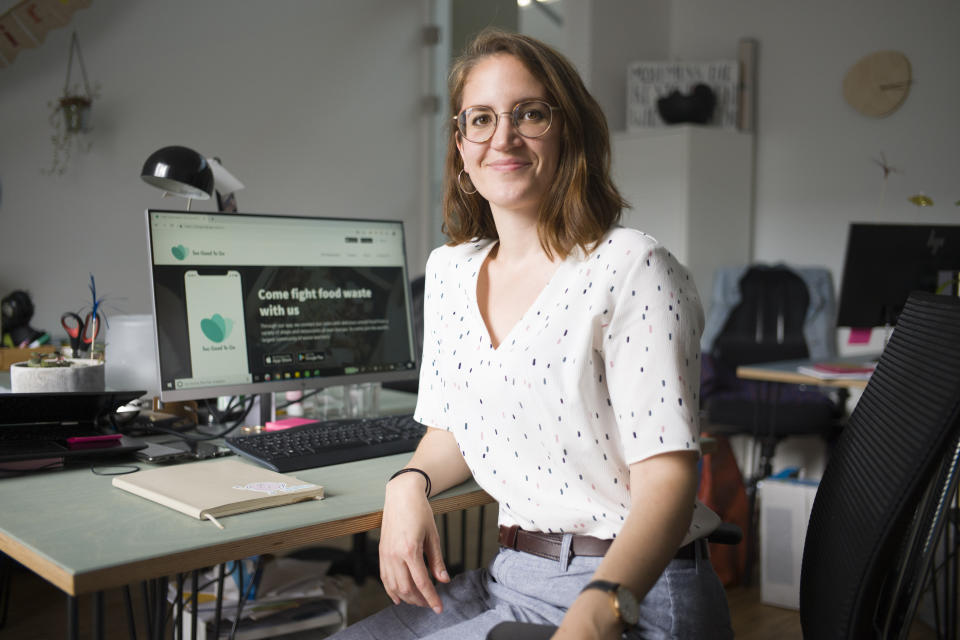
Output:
x=687 y=601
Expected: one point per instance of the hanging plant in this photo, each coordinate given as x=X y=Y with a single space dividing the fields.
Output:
x=70 y=115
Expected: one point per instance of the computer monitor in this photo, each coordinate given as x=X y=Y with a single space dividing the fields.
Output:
x=253 y=304
x=885 y=262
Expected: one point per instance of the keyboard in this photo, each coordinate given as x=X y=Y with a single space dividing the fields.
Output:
x=330 y=442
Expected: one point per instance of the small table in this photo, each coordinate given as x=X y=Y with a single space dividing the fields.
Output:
x=786 y=371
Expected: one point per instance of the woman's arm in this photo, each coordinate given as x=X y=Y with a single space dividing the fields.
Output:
x=409 y=531
x=663 y=491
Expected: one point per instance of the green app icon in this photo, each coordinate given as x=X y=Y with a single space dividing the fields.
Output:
x=179 y=252
x=216 y=327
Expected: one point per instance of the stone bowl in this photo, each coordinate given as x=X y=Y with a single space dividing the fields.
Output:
x=84 y=375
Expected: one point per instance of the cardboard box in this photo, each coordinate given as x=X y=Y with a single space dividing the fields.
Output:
x=785 y=507
x=10 y=355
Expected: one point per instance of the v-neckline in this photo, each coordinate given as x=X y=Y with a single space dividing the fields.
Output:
x=475 y=299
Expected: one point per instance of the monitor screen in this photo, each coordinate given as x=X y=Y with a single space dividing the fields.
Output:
x=248 y=304
x=885 y=262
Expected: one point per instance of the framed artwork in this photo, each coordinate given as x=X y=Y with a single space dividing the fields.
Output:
x=647 y=82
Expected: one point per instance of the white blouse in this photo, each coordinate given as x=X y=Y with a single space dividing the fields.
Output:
x=602 y=371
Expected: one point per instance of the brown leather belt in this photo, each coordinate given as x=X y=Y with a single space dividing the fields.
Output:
x=547 y=545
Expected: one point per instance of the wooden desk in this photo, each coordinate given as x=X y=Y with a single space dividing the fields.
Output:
x=786 y=371
x=78 y=532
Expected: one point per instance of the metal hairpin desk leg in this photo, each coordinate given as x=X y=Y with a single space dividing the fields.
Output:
x=73 y=624
x=98 y=629
x=148 y=607
x=160 y=615
x=178 y=608
x=195 y=591
x=131 y=619
x=221 y=574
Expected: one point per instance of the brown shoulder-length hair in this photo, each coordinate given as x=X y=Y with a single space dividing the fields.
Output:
x=582 y=203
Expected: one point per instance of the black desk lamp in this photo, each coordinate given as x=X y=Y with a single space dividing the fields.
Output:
x=180 y=171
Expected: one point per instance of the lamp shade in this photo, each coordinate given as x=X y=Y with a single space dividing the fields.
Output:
x=179 y=170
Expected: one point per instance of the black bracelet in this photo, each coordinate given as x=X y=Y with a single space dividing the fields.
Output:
x=420 y=471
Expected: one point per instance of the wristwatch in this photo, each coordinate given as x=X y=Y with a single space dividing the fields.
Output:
x=624 y=603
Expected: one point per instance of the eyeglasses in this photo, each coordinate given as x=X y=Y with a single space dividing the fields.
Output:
x=532 y=119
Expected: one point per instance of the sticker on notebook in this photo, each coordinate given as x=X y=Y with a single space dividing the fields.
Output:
x=273 y=488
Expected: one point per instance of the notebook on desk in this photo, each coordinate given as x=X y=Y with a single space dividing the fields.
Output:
x=58 y=426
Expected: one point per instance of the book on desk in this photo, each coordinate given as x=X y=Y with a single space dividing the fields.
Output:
x=213 y=489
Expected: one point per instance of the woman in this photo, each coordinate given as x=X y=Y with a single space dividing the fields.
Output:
x=561 y=371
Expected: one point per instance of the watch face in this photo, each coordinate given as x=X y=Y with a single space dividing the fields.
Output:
x=627 y=606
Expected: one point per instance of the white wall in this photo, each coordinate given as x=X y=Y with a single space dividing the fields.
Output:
x=602 y=37
x=313 y=104
x=292 y=95
x=814 y=168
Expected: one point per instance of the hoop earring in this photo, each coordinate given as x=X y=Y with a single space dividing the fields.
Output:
x=460 y=183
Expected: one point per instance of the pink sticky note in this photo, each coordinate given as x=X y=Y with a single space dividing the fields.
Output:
x=286 y=423
x=859 y=335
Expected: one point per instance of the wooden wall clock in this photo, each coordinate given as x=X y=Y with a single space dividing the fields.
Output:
x=878 y=83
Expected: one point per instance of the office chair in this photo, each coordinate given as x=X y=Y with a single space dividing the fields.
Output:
x=766 y=325
x=885 y=494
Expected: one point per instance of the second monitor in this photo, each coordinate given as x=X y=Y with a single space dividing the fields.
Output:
x=885 y=262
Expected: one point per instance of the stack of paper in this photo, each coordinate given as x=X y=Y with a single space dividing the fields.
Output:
x=839 y=370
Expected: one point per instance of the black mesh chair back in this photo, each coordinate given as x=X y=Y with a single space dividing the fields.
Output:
x=767 y=324
x=881 y=501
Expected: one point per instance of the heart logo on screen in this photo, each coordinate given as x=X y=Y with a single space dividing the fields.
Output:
x=179 y=252
x=216 y=327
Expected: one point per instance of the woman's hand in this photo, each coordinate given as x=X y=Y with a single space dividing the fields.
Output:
x=664 y=489
x=407 y=534
x=590 y=617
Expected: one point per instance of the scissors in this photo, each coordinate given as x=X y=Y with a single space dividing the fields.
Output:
x=82 y=332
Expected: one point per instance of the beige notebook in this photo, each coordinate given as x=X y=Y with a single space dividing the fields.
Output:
x=216 y=488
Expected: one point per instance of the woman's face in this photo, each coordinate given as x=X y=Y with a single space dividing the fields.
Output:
x=512 y=172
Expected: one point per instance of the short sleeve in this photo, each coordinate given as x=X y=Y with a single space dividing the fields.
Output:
x=651 y=349
x=429 y=409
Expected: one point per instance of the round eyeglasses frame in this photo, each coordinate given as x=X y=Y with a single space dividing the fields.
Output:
x=461 y=119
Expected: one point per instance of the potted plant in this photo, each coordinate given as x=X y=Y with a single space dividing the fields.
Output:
x=46 y=372
x=70 y=115
x=75 y=110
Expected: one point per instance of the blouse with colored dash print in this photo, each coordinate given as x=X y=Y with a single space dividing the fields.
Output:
x=602 y=371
